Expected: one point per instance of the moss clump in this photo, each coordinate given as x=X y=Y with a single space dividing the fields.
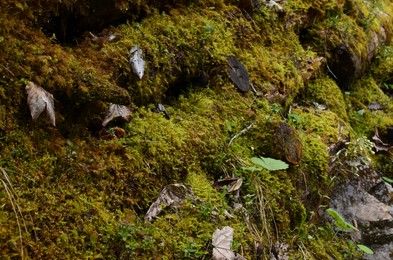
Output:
x=382 y=70
x=324 y=91
x=320 y=131
x=364 y=120
x=325 y=125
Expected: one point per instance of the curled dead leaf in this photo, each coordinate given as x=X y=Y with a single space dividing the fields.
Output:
x=379 y=144
x=38 y=100
x=116 y=111
x=171 y=196
x=233 y=184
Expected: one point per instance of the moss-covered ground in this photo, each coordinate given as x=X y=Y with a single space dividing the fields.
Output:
x=76 y=195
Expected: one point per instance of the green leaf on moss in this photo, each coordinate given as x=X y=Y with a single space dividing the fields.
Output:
x=269 y=163
x=365 y=249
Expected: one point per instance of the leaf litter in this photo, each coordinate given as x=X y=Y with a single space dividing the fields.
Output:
x=39 y=100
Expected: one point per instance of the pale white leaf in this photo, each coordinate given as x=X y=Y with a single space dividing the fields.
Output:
x=38 y=100
x=222 y=240
x=115 y=111
x=273 y=4
x=137 y=62
x=171 y=196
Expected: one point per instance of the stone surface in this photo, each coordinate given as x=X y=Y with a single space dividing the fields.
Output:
x=366 y=201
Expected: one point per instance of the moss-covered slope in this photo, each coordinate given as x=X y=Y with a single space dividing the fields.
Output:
x=78 y=193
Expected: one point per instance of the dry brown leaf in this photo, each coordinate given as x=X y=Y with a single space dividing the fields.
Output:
x=238 y=74
x=115 y=111
x=171 y=196
x=39 y=100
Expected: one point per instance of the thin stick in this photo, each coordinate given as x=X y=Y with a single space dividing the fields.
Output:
x=241 y=132
x=254 y=90
x=7 y=69
x=13 y=197
x=16 y=216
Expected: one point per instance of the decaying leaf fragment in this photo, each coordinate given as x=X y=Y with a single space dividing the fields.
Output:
x=39 y=100
x=116 y=111
x=171 y=196
x=137 y=62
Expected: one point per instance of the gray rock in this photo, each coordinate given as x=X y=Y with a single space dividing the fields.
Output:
x=366 y=201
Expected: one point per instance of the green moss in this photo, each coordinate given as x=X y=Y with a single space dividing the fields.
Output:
x=83 y=197
x=325 y=125
x=325 y=91
x=382 y=69
x=364 y=120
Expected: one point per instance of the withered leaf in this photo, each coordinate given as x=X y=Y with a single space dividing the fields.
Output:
x=290 y=143
x=137 y=62
x=222 y=240
x=238 y=74
x=38 y=100
x=162 y=109
x=378 y=143
x=233 y=184
x=171 y=196
x=115 y=111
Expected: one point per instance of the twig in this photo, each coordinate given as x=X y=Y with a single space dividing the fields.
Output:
x=254 y=90
x=13 y=197
x=7 y=69
x=331 y=72
x=241 y=132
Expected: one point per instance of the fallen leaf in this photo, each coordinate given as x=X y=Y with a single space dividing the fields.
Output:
x=115 y=111
x=162 y=109
x=273 y=4
x=378 y=143
x=137 y=62
x=39 y=100
x=289 y=140
x=222 y=240
x=171 y=196
x=238 y=74
x=233 y=184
